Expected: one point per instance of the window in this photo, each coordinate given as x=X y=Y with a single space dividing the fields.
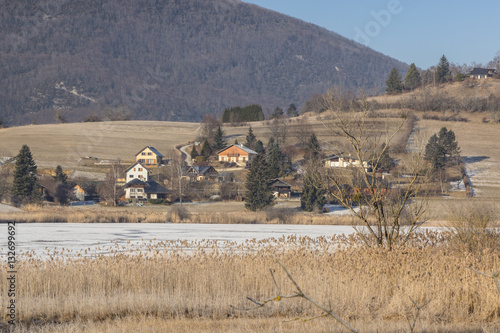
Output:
x=132 y=190
x=149 y=153
x=131 y=176
x=134 y=169
x=140 y=190
x=140 y=169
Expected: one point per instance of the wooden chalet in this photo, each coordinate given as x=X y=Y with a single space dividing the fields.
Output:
x=149 y=156
x=281 y=189
x=200 y=173
x=238 y=154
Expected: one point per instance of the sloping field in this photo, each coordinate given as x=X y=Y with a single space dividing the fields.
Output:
x=66 y=144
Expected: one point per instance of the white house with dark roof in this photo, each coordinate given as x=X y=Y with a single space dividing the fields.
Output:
x=481 y=73
x=138 y=171
x=149 y=156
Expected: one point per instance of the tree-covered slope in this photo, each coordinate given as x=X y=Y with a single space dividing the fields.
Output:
x=168 y=59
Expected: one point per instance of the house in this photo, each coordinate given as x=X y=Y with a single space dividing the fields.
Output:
x=481 y=73
x=143 y=190
x=200 y=173
x=139 y=171
x=79 y=193
x=281 y=189
x=149 y=156
x=339 y=161
x=238 y=154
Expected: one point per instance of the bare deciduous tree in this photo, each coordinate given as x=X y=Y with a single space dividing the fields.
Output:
x=387 y=209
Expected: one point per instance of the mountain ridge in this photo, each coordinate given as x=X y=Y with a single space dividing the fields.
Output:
x=168 y=60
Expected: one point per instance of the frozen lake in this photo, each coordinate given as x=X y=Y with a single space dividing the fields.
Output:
x=75 y=237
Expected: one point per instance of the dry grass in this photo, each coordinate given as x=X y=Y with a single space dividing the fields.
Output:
x=181 y=284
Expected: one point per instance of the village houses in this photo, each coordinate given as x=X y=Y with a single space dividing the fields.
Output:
x=238 y=154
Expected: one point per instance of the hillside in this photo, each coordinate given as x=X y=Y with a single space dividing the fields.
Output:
x=168 y=60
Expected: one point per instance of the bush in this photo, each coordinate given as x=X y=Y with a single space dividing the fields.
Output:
x=158 y=201
x=470 y=226
x=177 y=214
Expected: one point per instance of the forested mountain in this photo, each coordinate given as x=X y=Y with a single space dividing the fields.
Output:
x=168 y=59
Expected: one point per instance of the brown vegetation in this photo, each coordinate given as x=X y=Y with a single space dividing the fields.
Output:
x=194 y=284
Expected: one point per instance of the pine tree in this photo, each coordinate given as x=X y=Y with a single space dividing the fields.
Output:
x=313 y=149
x=443 y=73
x=251 y=139
x=259 y=147
x=219 y=142
x=275 y=159
x=206 y=149
x=277 y=113
x=442 y=149
x=313 y=194
x=194 y=153
x=394 y=83
x=292 y=111
x=25 y=186
x=60 y=175
x=412 y=78
x=259 y=190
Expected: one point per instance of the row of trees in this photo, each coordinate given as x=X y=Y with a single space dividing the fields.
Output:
x=413 y=79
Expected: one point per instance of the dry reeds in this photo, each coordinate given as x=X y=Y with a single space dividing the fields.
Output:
x=370 y=287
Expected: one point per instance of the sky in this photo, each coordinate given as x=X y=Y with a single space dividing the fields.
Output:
x=413 y=31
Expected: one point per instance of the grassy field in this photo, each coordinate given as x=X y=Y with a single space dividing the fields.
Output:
x=168 y=290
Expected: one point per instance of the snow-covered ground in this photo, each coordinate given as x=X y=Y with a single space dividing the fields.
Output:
x=46 y=238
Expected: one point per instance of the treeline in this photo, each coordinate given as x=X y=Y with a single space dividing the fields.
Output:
x=243 y=114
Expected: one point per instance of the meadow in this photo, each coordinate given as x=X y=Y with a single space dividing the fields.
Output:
x=168 y=288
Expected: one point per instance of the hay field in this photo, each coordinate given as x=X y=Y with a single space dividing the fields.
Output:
x=480 y=147
x=166 y=289
x=65 y=144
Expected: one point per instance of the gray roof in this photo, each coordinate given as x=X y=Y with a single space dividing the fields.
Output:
x=153 y=149
x=482 y=71
x=279 y=183
x=200 y=170
x=149 y=186
x=246 y=149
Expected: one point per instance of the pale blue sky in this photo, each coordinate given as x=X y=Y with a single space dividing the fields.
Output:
x=418 y=31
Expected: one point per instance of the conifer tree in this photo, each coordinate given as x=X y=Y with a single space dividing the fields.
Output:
x=219 y=142
x=277 y=113
x=251 y=139
x=443 y=73
x=394 y=83
x=258 y=185
x=206 y=149
x=313 y=149
x=259 y=147
x=60 y=175
x=412 y=78
x=194 y=153
x=292 y=111
x=313 y=194
x=275 y=159
x=25 y=186
x=442 y=149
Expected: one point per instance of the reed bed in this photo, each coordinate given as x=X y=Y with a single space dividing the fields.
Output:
x=176 y=214
x=194 y=284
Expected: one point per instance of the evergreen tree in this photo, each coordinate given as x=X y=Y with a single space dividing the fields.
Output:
x=412 y=78
x=236 y=142
x=206 y=149
x=275 y=159
x=219 y=142
x=386 y=162
x=25 y=186
x=313 y=194
x=442 y=149
x=251 y=139
x=60 y=175
x=292 y=111
x=313 y=149
x=394 y=83
x=259 y=147
x=277 y=113
x=443 y=73
x=259 y=190
x=194 y=153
